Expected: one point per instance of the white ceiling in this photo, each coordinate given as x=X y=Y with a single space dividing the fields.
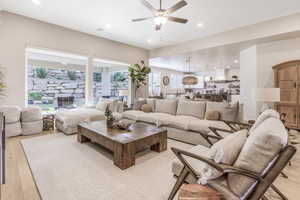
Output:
x=202 y=60
x=87 y=16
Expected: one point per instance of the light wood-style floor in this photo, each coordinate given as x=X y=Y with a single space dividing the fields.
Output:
x=20 y=184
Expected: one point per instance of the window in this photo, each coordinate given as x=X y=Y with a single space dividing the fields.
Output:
x=109 y=79
x=55 y=79
x=154 y=83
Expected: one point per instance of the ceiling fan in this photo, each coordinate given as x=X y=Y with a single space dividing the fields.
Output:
x=161 y=16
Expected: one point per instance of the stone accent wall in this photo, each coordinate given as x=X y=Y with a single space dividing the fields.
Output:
x=56 y=84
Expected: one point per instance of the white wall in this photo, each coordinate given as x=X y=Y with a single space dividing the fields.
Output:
x=271 y=54
x=18 y=32
x=256 y=69
x=232 y=72
x=248 y=75
x=270 y=30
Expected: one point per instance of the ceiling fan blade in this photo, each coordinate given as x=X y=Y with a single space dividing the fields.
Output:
x=158 y=27
x=141 y=19
x=177 y=6
x=179 y=20
x=148 y=5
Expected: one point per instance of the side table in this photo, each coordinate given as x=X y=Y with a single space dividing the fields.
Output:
x=198 y=192
x=48 y=121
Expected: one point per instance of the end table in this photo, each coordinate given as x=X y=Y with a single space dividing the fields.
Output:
x=198 y=192
x=48 y=121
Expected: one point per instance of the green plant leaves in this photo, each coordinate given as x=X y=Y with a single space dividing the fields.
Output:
x=41 y=73
x=138 y=74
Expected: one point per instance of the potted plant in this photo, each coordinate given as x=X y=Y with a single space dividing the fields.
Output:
x=139 y=74
x=109 y=117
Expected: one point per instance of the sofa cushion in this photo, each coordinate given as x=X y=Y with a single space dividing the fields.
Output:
x=138 y=104
x=152 y=102
x=202 y=125
x=132 y=114
x=103 y=103
x=34 y=127
x=73 y=117
x=11 y=113
x=191 y=108
x=166 y=106
x=180 y=122
x=263 y=116
x=146 y=108
x=154 y=118
x=261 y=147
x=31 y=114
x=212 y=115
x=228 y=112
x=224 y=151
x=13 y=129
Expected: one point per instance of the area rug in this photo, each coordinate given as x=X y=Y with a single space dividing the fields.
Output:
x=67 y=170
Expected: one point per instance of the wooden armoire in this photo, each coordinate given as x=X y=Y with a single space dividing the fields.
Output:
x=287 y=78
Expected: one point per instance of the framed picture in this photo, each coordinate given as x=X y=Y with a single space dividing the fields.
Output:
x=166 y=80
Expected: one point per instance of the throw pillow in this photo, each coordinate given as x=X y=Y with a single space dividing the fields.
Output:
x=138 y=104
x=102 y=105
x=212 y=115
x=225 y=151
x=146 y=108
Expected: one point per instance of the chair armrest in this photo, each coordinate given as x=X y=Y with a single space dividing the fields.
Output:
x=230 y=169
x=215 y=130
x=232 y=124
x=220 y=167
x=180 y=153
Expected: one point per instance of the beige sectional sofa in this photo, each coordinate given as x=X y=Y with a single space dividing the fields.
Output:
x=184 y=119
x=67 y=120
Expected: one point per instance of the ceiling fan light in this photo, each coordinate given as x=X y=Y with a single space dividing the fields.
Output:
x=160 y=20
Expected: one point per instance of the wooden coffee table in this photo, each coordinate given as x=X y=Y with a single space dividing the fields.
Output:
x=124 y=144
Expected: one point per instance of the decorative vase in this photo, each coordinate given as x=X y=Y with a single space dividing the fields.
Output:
x=109 y=123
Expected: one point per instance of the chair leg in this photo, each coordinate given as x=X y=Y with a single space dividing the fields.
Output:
x=278 y=192
x=264 y=198
x=183 y=174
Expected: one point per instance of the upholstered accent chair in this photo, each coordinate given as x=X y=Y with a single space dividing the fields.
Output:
x=246 y=171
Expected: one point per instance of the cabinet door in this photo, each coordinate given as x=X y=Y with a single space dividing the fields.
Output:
x=291 y=114
x=287 y=82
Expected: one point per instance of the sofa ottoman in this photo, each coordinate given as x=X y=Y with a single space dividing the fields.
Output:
x=12 y=120
x=31 y=120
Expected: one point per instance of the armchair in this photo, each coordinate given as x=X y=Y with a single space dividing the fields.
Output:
x=260 y=160
x=264 y=180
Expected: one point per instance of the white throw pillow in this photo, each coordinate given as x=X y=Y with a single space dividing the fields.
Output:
x=102 y=105
x=225 y=151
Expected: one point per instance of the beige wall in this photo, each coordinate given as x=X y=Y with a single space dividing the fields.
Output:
x=18 y=32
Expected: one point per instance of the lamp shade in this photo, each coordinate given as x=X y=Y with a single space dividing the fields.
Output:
x=123 y=93
x=267 y=94
x=190 y=80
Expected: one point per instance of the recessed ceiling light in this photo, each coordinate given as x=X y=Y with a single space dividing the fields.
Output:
x=107 y=26
x=149 y=41
x=228 y=67
x=200 y=25
x=36 y=2
x=236 y=61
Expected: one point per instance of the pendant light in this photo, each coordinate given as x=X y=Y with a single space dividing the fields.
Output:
x=189 y=78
